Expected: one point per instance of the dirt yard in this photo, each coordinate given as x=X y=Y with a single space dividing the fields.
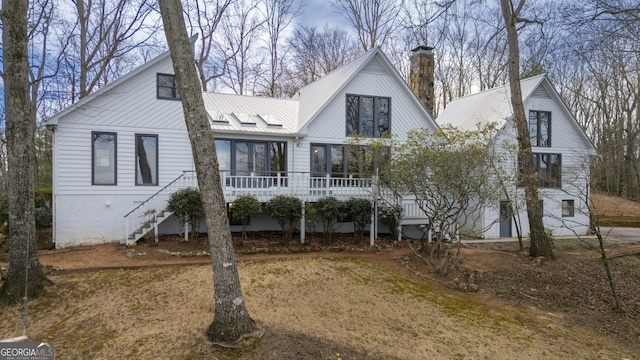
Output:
x=314 y=302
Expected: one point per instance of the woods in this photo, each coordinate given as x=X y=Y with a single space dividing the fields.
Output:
x=268 y=47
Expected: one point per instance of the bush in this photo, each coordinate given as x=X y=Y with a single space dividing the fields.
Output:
x=330 y=210
x=243 y=209
x=359 y=210
x=187 y=206
x=286 y=210
x=43 y=214
x=311 y=220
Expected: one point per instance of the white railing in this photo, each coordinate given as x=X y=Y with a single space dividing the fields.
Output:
x=145 y=212
x=263 y=187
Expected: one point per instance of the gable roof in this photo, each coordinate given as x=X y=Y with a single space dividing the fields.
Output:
x=318 y=94
x=494 y=106
x=54 y=119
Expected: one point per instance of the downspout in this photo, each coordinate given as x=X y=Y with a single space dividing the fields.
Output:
x=54 y=183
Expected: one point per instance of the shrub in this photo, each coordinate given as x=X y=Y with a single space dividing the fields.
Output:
x=330 y=210
x=43 y=214
x=391 y=216
x=311 y=220
x=243 y=209
x=187 y=206
x=286 y=210
x=359 y=210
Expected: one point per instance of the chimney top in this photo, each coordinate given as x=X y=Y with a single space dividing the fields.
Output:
x=422 y=49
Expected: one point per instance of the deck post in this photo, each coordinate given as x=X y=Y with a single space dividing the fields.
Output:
x=186 y=231
x=303 y=222
x=372 y=235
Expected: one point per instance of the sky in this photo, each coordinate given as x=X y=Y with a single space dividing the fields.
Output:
x=320 y=13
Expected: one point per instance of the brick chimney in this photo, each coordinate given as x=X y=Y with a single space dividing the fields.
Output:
x=421 y=76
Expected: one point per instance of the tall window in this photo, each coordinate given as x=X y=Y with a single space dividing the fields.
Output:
x=540 y=128
x=103 y=154
x=146 y=159
x=368 y=116
x=167 y=87
x=244 y=158
x=549 y=168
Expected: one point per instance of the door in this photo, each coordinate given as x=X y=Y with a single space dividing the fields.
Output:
x=505 y=219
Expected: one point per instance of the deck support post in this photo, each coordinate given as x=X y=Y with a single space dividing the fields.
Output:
x=303 y=222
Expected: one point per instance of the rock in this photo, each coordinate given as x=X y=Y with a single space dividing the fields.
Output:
x=163 y=251
x=473 y=288
x=462 y=286
x=472 y=278
x=456 y=280
x=539 y=260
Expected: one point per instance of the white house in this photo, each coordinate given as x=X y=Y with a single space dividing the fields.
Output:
x=561 y=153
x=119 y=153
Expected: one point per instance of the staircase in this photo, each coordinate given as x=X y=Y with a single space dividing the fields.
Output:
x=147 y=215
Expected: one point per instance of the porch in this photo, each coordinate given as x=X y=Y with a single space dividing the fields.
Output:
x=147 y=214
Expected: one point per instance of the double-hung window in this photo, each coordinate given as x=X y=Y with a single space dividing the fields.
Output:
x=104 y=156
x=540 y=128
x=568 y=209
x=146 y=159
x=368 y=116
x=167 y=87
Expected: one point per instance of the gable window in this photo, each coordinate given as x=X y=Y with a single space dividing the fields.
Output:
x=103 y=158
x=167 y=87
x=368 y=116
x=568 y=209
x=540 y=128
x=146 y=159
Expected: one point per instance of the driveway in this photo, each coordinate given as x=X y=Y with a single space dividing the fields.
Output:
x=621 y=233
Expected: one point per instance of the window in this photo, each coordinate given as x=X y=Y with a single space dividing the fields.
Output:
x=540 y=128
x=549 y=169
x=342 y=161
x=568 y=209
x=146 y=159
x=252 y=158
x=103 y=158
x=167 y=87
x=368 y=116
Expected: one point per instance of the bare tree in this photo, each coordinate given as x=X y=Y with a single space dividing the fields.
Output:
x=25 y=277
x=102 y=34
x=204 y=17
x=373 y=20
x=540 y=242
x=315 y=53
x=237 y=43
x=278 y=16
x=231 y=320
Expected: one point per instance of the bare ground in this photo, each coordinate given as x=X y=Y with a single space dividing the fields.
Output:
x=343 y=298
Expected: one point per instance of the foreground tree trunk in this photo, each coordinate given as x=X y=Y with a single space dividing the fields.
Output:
x=540 y=242
x=24 y=277
x=230 y=320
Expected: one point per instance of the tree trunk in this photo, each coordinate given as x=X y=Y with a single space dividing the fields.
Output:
x=231 y=319
x=24 y=277
x=540 y=242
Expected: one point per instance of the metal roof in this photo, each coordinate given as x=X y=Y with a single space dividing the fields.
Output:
x=489 y=106
x=251 y=114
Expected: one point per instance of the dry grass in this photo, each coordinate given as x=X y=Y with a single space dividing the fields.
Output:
x=614 y=206
x=359 y=309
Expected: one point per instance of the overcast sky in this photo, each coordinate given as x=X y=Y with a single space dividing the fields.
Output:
x=320 y=13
